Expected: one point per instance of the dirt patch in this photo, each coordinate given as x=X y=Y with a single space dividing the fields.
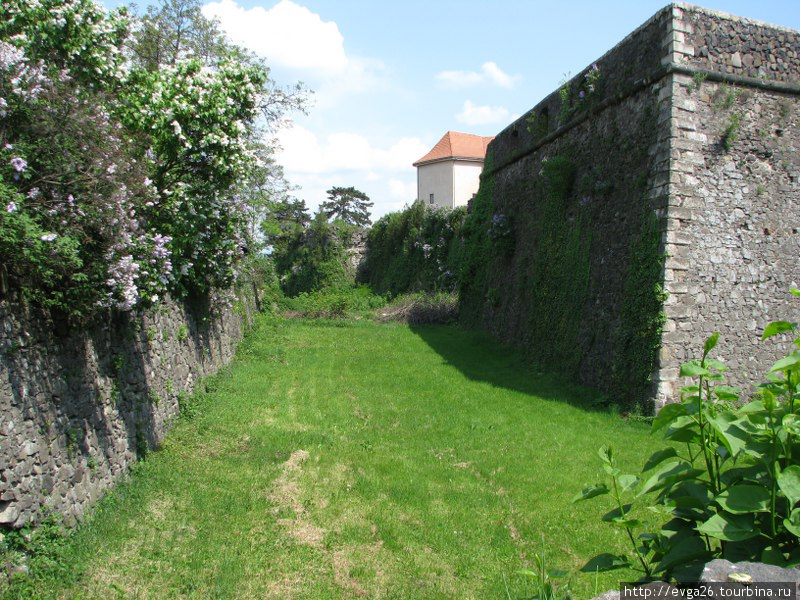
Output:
x=158 y=508
x=286 y=494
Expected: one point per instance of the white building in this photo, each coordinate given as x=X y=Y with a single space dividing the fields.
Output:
x=448 y=175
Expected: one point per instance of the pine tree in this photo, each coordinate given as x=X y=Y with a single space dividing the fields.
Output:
x=348 y=205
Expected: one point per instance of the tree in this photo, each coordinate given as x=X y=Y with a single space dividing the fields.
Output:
x=176 y=30
x=348 y=205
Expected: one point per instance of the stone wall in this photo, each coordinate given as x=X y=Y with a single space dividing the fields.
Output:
x=77 y=408
x=689 y=123
x=734 y=214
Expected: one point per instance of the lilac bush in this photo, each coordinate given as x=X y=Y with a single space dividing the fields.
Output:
x=119 y=184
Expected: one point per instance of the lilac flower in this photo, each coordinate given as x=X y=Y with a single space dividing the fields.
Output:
x=11 y=207
x=48 y=237
x=19 y=164
x=498 y=220
x=582 y=94
x=122 y=278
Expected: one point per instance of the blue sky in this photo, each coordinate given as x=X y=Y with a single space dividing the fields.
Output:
x=391 y=77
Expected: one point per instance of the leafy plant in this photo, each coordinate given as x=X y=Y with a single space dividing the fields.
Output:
x=335 y=303
x=697 y=82
x=416 y=249
x=125 y=177
x=545 y=587
x=733 y=491
x=731 y=132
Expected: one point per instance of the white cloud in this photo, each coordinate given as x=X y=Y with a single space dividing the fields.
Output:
x=383 y=171
x=304 y=152
x=489 y=73
x=483 y=115
x=403 y=190
x=287 y=34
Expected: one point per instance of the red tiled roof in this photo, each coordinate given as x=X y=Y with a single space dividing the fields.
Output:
x=457 y=145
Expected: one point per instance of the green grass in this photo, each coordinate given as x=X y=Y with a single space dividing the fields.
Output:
x=343 y=460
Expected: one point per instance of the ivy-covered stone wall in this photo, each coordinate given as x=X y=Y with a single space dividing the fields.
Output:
x=647 y=203
x=77 y=408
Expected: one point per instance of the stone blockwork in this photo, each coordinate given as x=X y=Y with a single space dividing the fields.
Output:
x=690 y=121
x=733 y=235
x=77 y=408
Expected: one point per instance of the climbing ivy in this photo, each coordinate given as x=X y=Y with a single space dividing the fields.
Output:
x=555 y=276
x=476 y=251
x=415 y=249
x=559 y=269
x=638 y=335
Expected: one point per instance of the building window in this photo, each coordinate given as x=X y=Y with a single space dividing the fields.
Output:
x=431 y=199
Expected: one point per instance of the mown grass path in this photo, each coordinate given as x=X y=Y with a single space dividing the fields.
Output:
x=346 y=460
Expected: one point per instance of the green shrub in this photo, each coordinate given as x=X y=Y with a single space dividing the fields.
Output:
x=729 y=480
x=313 y=258
x=334 y=303
x=120 y=184
x=414 y=250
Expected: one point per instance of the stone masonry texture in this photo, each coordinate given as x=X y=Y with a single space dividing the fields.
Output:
x=692 y=120
x=77 y=408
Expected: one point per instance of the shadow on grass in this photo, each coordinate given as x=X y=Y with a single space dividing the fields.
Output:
x=480 y=358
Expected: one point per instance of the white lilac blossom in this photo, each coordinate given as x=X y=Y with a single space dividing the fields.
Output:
x=199 y=167
x=122 y=278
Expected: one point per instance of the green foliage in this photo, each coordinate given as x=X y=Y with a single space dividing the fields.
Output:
x=559 y=271
x=544 y=580
x=574 y=100
x=348 y=205
x=556 y=276
x=477 y=250
x=733 y=492
x=307 y=255
x=335 y=302
x=697 y=82
x=638 y=334
x=731 y=132
x=122 y=181
x=415 y=249
x=175 y=30
x=39 y=548
x=725 y=97
x=565 y=106
x=312 y=258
